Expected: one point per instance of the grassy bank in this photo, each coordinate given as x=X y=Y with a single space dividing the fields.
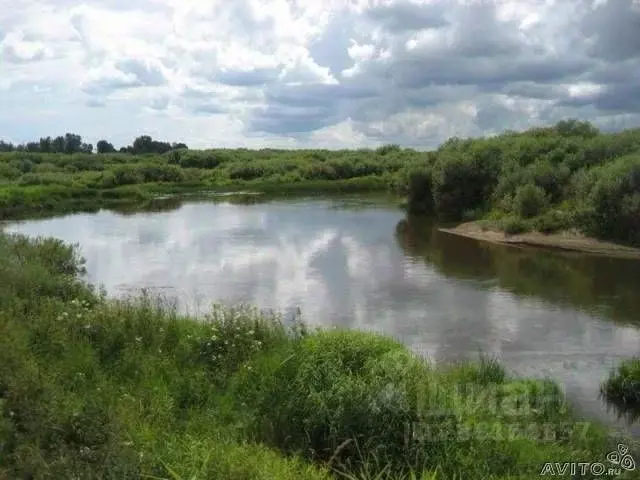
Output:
x=47 y=182
x=99 y=388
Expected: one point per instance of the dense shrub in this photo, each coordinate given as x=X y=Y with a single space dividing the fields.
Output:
x=591 y=177
x=420 y=193
x=529 y=201
x=610 y=205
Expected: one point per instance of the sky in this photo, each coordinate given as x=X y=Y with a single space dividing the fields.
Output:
x=314 y=73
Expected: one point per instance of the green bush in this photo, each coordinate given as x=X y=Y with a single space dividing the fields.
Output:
x=553 y=221
x=529 y=201
x=610 y=200
x=420 y=193
x=514 y=225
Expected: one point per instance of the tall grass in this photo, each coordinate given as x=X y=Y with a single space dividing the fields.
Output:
x=98 y=388
x=622 y=388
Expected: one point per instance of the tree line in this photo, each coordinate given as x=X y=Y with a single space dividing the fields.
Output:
x=70 y=143
x=569 y=176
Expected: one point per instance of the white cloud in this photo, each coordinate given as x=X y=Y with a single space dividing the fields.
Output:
x=293 y=72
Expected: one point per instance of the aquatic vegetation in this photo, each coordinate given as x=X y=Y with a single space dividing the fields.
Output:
x=622 y=387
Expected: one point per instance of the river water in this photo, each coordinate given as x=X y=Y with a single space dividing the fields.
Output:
x=362 y=263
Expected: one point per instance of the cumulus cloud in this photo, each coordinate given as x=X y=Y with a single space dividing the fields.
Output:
x=302 y=73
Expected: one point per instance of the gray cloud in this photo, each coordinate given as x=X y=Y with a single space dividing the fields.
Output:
x=106 y=85
x=292 y=120
x=248 y=78
x=403 y=16
x=614 y=28
x=159 y=103
x=145 y=74
x=208 y=108
x=471 y=54
x=414 y=72
x=330 y=49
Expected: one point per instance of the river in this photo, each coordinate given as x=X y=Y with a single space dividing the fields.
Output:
x=361 y=263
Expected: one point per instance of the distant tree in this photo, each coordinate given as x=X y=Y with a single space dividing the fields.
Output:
x=146 y=144
x=178 y=146
x=86 y=148
x=45 y=144
x=142 y=144
x=573 y=127
x=105 y=147
x=32 y=147
x=57 y=145
x=72 y=143
x=6 y=146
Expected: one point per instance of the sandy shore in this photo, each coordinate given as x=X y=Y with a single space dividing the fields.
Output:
x=560 y=241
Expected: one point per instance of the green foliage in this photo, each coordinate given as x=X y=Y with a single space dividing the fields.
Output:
x=513 y=225
x=553 y=221
x=622 y=387
x=592 y=177
x=420 y=193
x=529 y=201
x=610 y=200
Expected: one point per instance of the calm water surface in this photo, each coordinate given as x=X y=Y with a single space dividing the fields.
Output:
x=366 y=265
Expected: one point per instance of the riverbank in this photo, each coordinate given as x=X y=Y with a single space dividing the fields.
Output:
x=33 y=182
x=566 y=241
x=18 y=202
x=98 y=388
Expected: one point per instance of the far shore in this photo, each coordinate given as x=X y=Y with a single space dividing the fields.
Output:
x=567 y=241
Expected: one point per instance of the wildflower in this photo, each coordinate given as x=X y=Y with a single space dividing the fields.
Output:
x=250 y=332
x=59 y=318
x=226 y=342
x=79 y=316
x=65 y=314
x=138 y=339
